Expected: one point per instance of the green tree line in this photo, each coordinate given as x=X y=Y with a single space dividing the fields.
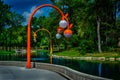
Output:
x=96 y=26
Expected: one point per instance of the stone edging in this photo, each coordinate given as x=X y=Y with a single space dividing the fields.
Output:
x=90 y=58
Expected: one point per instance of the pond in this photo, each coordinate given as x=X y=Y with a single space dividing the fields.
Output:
x=105 y=69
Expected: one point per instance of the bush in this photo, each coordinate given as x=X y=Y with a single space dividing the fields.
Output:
x=86 y=46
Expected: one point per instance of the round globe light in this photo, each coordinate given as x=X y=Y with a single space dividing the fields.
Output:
x=63 y=23
x=35 y=40
x=58 y=36
x=67 y=33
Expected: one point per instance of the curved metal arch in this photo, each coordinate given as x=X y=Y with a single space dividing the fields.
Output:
x=51 y=49
x=43 y=30
x=28 y=65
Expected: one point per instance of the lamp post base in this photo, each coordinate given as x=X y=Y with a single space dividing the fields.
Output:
x=28 y=65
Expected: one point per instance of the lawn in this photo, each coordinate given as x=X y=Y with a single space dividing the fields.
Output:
x=6 y=52
x=75 y=53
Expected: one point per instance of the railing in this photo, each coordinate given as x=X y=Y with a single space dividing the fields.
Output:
x=23 y=49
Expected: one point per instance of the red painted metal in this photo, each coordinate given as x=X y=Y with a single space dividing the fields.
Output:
x=28 y=64
x=60 y=30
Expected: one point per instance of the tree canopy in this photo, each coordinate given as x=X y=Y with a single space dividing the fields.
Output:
x=85 y=16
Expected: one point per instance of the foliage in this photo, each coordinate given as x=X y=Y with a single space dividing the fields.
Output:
x=4 y=9
x=86 y=46
x=6 y=52
x=82 y=13
x=10 y=22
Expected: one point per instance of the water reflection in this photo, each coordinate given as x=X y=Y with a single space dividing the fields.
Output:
x=104 y=69
x=100 y=69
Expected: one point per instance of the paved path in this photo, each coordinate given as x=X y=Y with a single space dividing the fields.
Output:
x=21 y=73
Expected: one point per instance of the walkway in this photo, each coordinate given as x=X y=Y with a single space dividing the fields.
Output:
x=21 y=73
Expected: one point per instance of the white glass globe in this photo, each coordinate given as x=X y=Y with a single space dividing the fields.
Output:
x=58 y=36
x=35 y=40
x=63 y=23
x=67 y=35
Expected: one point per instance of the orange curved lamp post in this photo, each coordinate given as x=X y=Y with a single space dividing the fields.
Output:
x=51 y=50
x=63 y=17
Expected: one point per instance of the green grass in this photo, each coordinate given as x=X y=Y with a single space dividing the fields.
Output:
x=104 y=54
x=6 y=52
x=75 y=53
x=70 y=53
x=42 y=51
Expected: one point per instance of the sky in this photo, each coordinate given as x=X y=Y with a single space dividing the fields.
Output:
x=25 y=7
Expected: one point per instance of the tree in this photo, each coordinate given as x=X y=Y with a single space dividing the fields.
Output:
x=94 y=23
x=8 y=21
x=98 y=35
x=106 y=11
x=80 y=14
x=98 y=11
x=4 y=9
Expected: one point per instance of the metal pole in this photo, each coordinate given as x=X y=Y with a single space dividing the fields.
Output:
x=28 y=64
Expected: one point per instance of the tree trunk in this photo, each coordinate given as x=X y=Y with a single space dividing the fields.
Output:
x=98 y=35
x=10 y=39
x=119 y=42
